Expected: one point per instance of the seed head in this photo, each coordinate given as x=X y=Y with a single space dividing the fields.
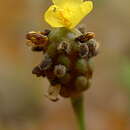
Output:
x=67 y=62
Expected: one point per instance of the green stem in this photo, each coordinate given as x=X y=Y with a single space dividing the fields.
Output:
x=78 y=107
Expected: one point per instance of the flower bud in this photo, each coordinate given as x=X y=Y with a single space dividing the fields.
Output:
x=81 y=83
x=81 y=66
x=60 y=71
x=64 y=60
x=64 y=47
x=84 y=50
x=93 y=47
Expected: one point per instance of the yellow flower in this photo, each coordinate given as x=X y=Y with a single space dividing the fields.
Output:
x=67 y=13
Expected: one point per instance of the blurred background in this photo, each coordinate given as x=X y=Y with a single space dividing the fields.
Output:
x=22 y=102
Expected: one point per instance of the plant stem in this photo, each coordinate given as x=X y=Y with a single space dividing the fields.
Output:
x=78 y=108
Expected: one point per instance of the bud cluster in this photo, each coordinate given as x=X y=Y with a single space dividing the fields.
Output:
x=66 y=62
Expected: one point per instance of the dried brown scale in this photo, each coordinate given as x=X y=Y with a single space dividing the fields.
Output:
x=37 y=41
x=37 y=38
x=85 y=37
x=67 y=61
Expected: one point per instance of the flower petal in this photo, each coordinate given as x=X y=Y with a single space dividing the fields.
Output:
x=69 y=14
x=63 y=2
x=86 y=7
x=77 y=13
x=55 y=17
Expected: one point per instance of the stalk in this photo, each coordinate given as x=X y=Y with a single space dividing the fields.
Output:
x=78 y=107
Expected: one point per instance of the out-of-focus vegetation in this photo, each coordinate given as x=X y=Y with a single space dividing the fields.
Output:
x=126 y=74
x=22 y=102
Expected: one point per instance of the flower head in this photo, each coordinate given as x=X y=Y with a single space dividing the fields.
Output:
x=67 y=13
